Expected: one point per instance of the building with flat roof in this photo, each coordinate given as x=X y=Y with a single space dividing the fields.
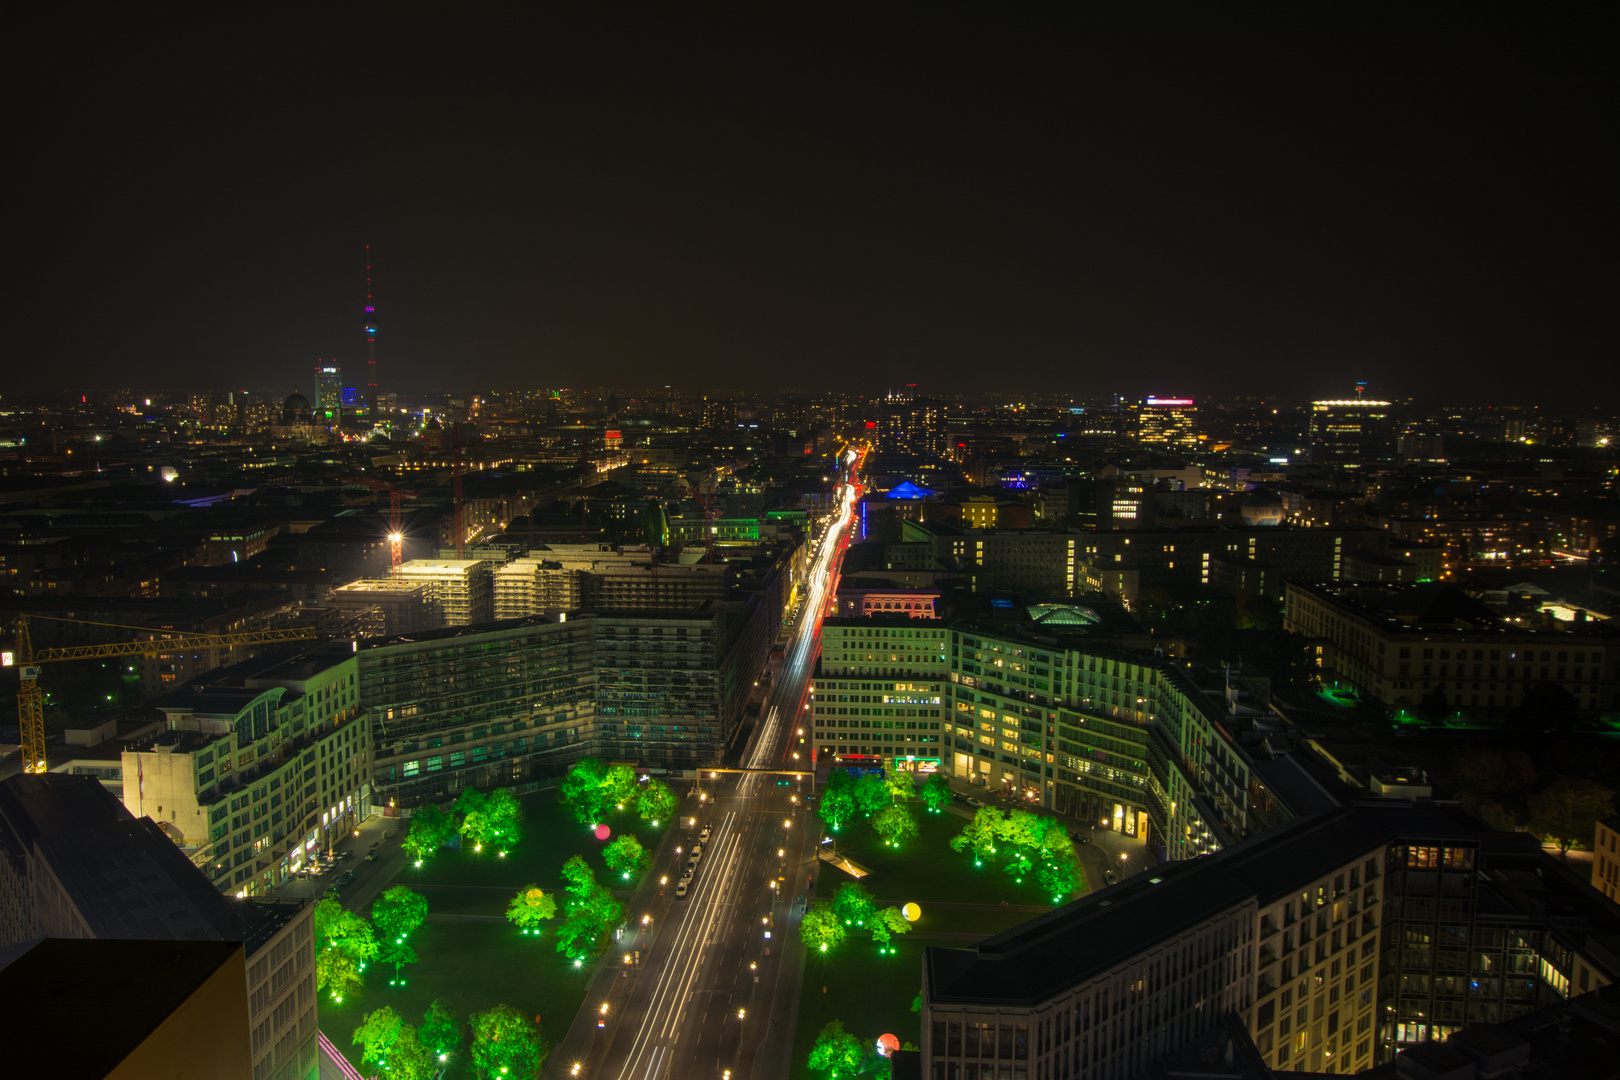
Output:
x=188 y=1015
x=258 y=768
x=1336 y=939
x=1404 y=644
x=460 y=588
x=1352 y=431
x=389 y=605
x=74 y=863
x=535 y=585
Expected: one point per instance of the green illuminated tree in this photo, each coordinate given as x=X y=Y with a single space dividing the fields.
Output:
x=888 y=923
x=475 y=824
x=619 y=785
x=431 y=828
x=441 y=1029
x=901 y=784
x=505 y=1045
x=979 y=834
x=871 y=794
x=822 y=929
x=656 y=802
x=503 y=818
x=409 y=1059
x=379 y=1030
x=397 y=951
x=1022 y=829
x=854 y=904
x=337 y=973
x=837 y=804
x=836 y=1052
x=626 y=857
x=582 y=790
x=341 y=930
x=1059 y=875
x=895 y=825
x=591 y=912
x=936 y=792
x=398 y=912
x=530 y=908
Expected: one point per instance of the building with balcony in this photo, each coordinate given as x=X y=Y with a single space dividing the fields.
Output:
x=258 y=768
x=460 y=588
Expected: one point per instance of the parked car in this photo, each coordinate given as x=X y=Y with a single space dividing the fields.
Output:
x=1109 y=877
x=347 y=876
x=680 y=891
x=371 y=856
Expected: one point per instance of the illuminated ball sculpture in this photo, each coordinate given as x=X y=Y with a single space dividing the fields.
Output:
x=912 y=912
x=603 y=832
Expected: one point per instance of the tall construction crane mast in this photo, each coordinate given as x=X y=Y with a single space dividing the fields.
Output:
x=396 y=521
x=30 y=706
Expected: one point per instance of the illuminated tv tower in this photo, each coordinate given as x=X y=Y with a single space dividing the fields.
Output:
x=371 y=343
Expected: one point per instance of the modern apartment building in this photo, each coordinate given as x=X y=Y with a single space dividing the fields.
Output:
x=880 y=692
x=1335 y=939
x=526 y=698
x=258 y=768
x=1399 y=645
x=1052 y=710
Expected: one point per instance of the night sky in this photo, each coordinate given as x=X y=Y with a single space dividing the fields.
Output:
x=1206 y=210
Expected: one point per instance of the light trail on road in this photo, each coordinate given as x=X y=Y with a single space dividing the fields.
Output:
x=716 y=920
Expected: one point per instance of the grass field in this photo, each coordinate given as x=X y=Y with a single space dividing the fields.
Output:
x=873 y=994
x=927 y=868
x=474 y=963
x=550 y=837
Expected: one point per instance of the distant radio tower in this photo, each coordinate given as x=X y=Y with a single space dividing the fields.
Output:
x=371 y=343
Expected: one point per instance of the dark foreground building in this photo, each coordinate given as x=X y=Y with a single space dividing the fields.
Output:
x=1333 y=940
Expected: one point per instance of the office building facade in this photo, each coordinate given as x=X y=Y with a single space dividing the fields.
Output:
x=257 y=769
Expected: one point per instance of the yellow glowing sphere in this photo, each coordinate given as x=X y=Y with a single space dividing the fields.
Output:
x=535 y=894
x=912 y=912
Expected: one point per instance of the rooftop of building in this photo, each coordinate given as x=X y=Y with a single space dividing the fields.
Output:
x=1038 y=959
x=1435 y=606
x=44 y=985
x=126 y=877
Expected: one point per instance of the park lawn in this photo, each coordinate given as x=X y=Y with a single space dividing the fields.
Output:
x=926 y=868
x=871 y=994
x=472 y=965
x=551 y=837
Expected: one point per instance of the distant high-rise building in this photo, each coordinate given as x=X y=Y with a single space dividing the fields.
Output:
x=328 y=392
x=1168 y=422
x=1351 y=429
x=911 y=426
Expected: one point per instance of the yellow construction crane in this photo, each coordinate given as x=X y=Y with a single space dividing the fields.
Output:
x=21 y=655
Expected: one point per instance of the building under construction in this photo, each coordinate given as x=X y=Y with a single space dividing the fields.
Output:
x=460 y=588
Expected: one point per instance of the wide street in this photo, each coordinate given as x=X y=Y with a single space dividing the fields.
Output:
x=711 y=993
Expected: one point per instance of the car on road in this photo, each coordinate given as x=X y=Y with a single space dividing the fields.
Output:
x=1109 y=877
x=680 y=891
x=697 y=852
x=371 y=856
x=686 y=878
x=347 y=876
x=703 y=837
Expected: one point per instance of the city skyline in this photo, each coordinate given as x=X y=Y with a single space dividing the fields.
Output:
x=1297 y=209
